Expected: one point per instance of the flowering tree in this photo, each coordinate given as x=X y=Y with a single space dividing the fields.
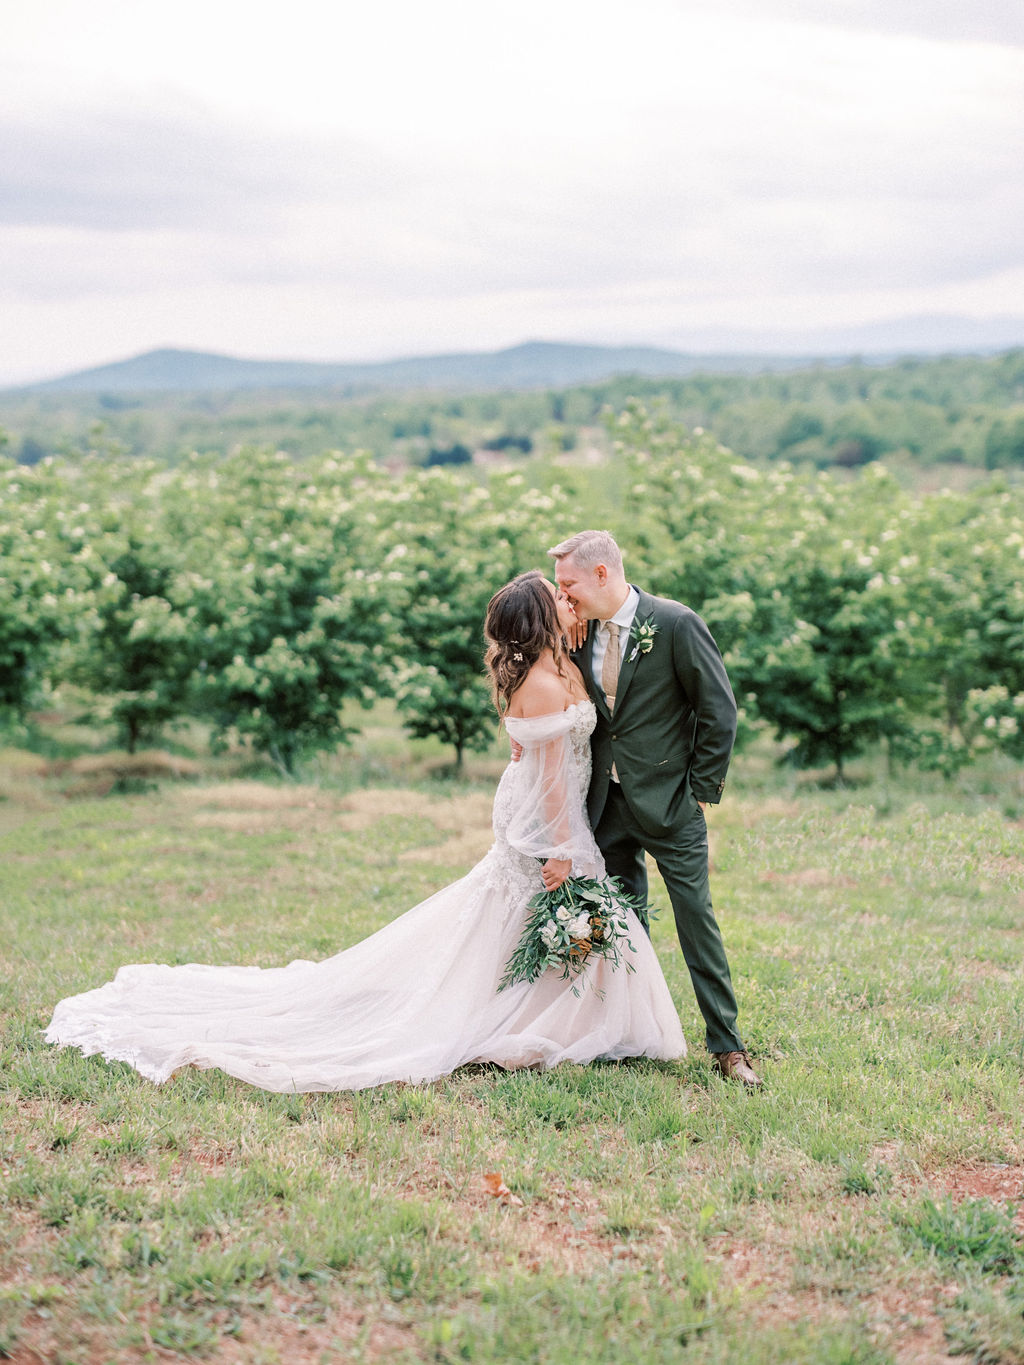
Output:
x=289 y=612
x=800 y=607
x=31 y=616
x=963 y=621
x=134 y=647
x=453 y=545
x=267 y=595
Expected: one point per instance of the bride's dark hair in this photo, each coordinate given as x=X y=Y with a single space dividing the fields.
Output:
x=521 y=623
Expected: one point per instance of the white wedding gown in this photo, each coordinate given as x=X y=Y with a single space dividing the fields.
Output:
x=419 y=998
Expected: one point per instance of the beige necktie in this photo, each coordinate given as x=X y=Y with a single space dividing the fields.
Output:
x=611 y=665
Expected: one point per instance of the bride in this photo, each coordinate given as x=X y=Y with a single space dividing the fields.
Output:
x=420 y=997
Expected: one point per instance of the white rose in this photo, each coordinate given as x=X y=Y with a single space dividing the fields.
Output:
x=580 y=926
x=563 y=914
x=549 y=932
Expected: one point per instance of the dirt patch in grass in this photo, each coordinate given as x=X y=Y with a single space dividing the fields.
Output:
x=980 y=970
x=752 y=813
x=18 y=799
x=467 y=818
x=1000 y=1181
x=1002 y=1184
x=97 y=775
x=904 y=1318
x=21 y=783
x=914 y=1328
x=808 y=876
x=258 y=808
x=463 y=850
x=21 y=763
x=252 y=808
x=42 y=1354
x=255 y=796
x=342 y=1327
x=1003 y=867
x=259 y=821
x=562 y=1228
x=364 y=809
x=296 y=1331
x=151 y=763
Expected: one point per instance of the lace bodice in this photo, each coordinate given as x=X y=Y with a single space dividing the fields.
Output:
x=580 y=730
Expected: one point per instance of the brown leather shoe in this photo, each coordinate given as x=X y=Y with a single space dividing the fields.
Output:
x=735 y=1066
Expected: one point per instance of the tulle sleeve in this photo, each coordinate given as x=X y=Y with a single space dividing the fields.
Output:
x=548 y=818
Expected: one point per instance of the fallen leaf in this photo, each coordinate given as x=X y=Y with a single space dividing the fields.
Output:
x=496 y=1187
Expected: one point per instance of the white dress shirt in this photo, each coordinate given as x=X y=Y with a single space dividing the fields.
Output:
x=623 y=618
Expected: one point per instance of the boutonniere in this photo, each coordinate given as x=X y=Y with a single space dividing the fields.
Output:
x=642 y=633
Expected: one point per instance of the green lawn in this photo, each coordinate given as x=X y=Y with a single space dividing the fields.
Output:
x=863 y=1208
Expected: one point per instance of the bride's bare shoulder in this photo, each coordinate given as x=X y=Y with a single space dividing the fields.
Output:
x=539 y=694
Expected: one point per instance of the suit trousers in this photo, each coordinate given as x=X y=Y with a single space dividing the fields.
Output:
x=682 y=860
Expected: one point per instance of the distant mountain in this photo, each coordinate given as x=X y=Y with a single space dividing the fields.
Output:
x=535 y=364
x=551 y=364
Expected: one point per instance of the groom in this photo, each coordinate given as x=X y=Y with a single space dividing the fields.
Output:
x=666 y=721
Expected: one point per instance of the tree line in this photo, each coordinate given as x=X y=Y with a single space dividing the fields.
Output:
x=263 y=594
x=966 y=410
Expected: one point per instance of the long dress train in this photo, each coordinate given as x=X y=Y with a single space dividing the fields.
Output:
x=419 y=998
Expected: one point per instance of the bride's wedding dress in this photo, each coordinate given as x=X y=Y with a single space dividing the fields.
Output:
x=419 y=998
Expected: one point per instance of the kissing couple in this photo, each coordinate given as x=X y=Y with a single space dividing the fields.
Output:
x=619 y=746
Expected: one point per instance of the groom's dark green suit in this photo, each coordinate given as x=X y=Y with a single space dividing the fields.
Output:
x=670 y=739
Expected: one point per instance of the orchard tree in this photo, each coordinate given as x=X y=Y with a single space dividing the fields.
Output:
x=135 y=644
x=834 y=670
x=32 y=618
x=290 y=613
x=454 y=543
x=962 y=566
x=818 y=657
x=126 y=640
x=787 y=570
x=996 y=720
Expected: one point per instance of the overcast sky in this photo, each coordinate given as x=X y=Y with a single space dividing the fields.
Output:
x=358 y=181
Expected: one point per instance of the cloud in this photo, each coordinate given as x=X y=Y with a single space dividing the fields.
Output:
x=343 y=181
x=116 y=168
x=990 y=21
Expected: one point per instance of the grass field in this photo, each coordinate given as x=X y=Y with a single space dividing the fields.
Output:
x=864 y=1208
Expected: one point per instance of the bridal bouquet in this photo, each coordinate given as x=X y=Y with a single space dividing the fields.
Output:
x=565 y=927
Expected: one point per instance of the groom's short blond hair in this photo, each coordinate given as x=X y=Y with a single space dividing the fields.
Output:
x=590 y=548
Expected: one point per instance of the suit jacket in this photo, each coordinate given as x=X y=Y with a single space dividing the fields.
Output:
x=674 y=725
